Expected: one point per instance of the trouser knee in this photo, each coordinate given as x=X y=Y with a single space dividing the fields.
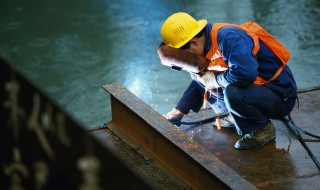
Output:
x=232 y=94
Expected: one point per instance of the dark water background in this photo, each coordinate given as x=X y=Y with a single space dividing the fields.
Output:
x=71 y=48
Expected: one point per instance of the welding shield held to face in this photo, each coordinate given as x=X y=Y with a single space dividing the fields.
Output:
x=179 y=59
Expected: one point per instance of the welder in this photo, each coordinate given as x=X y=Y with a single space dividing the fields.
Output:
x=254 y=83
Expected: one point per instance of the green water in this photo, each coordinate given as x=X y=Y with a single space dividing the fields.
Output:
x=71 y=48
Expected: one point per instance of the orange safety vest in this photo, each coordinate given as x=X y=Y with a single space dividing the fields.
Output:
x=257 y=33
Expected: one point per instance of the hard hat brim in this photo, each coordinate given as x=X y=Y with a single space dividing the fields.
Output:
x=202 y=23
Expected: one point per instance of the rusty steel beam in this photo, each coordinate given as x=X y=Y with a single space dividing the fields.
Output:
x=188 y=160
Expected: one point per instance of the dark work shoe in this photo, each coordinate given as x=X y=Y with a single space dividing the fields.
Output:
x=176 y=122
x=257 y=138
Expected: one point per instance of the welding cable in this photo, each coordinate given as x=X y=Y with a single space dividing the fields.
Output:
x=199 y=122
x=307 y=133
x=293 y=128
x=178 y=122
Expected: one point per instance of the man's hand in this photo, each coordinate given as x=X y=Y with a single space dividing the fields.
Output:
x=208 y=79
x=174 y=114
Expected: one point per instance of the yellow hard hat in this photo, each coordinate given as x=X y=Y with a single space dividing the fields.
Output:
x=180 y=28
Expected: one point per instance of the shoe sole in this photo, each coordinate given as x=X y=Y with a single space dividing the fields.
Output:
x=250 y=148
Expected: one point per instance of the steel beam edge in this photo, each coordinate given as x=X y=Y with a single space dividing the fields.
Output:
x=179 y=153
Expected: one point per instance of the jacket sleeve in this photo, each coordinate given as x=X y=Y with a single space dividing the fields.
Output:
x=236 y=47
x=192 y=99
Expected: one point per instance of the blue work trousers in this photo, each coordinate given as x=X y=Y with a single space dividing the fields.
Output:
x=251 y=107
